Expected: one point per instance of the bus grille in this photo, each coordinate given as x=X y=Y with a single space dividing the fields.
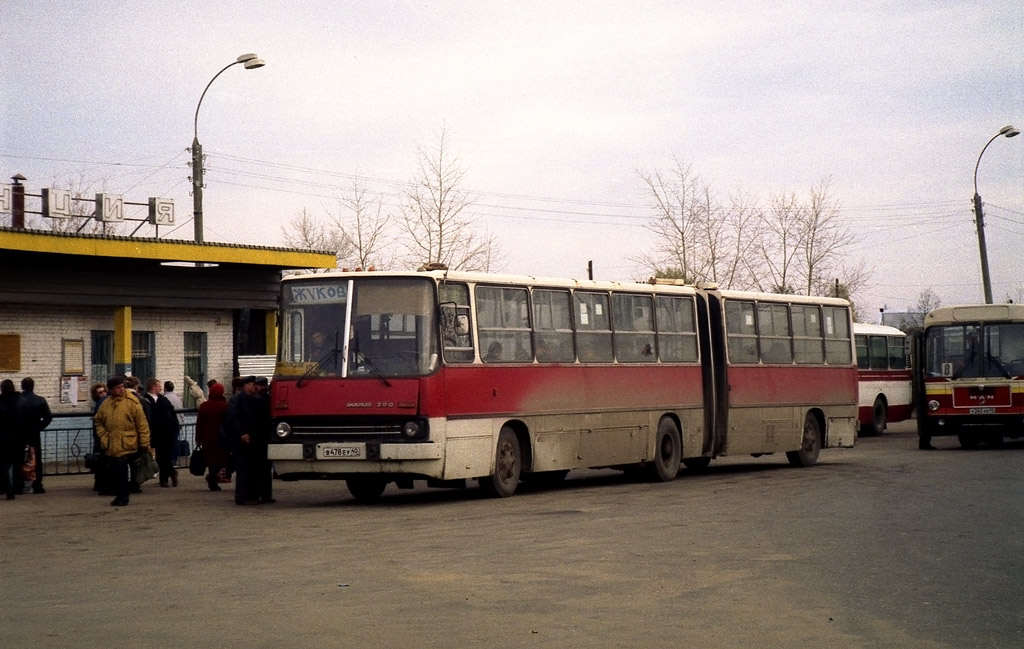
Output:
x=347 y=430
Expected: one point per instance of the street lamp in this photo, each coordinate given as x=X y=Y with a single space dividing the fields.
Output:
x=251 y=62
x=979 y=217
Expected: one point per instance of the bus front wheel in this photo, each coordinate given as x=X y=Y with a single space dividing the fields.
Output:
x=508 y=465
x=668 y=451
x=366 y=489
x=810 y=445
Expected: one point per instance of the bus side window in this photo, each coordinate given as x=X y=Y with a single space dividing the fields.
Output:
x=677 y=335
x=552 y=326
x=807 y=340
x=773 y=330
x=634 y=328
x=456 y=323
x=741 y=332
x=593 y=329
x=504 y=323
x=837 y=335
x=863 y=361
x=897 y=353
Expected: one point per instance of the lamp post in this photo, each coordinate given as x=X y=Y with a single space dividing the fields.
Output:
x=251 y=62
x=979 y=216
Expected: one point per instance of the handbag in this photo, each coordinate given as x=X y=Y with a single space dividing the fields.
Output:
x=197 y=463
x=144 y=467
x=28 y=468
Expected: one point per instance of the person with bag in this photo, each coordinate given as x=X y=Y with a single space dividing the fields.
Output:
x=35 y=416
x=123 y=433
x=12 y=443
x=208 y=424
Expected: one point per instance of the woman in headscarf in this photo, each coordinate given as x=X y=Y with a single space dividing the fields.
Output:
x=208 y=423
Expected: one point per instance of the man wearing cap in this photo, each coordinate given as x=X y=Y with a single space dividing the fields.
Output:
x=123 y=431
x=247 y=427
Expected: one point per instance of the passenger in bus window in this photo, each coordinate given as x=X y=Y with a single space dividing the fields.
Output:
x=318 y=349
x=493 y=354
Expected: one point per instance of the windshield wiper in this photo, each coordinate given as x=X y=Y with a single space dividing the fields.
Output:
x=999 y=365
x=364 y=359
x=331 y=355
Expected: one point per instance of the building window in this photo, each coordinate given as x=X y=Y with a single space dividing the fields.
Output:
x=102 y=363
x=143 y=355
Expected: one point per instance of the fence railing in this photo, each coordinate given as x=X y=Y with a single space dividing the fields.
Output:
x=69 y=437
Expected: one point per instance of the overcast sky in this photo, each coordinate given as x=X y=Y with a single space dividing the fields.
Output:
x=551 y=108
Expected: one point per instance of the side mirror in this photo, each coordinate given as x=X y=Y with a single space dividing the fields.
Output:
x=462 y=325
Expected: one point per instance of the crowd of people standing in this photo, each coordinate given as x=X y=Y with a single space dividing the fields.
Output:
x=131 y=419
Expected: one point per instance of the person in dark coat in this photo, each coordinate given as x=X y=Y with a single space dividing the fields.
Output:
x=163 y=426
x=102 y=481
x=12 y=442
x=208 y=425
x=35 y=417
x=247 y=430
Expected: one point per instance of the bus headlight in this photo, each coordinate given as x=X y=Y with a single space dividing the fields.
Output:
x=283 y=430
x=933 y=405
x=411 y=429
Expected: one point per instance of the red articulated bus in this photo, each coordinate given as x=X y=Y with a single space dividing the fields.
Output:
x=449 y=376
x=883 y=364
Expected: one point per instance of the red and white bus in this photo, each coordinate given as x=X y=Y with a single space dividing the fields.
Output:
x=969 y=374
x=883 y=368
x=448 y=376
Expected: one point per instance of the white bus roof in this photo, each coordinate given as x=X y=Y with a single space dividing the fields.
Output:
x=585 y=284
x=497 y=278
x=869 y=329
x=975 y=313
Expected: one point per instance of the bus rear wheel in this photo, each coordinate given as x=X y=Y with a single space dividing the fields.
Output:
x=668 y=451
x=810 y=446
x=366 y=489
x=508 y=466
x=879 y=416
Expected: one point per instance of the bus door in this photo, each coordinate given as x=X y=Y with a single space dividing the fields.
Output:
x=711 y=334
x=917 y=363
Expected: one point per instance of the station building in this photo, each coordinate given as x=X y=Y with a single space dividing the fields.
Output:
x=76 y=309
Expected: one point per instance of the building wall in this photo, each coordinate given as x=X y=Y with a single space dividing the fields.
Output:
x=42 y=329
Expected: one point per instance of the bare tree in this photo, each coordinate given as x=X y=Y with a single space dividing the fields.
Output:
x=849 y=278
x=782 y=239
x=363 y=232
x=927 y=300
x=435 y=215
x=742 y=221
x=307 y=232
x=698 y=239
x=825 y=238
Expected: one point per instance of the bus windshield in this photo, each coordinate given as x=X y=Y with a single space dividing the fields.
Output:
x=975 y=351
x=373 y=327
